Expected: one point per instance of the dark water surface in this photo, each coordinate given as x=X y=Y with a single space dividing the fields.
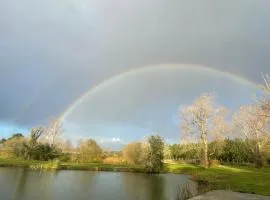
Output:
x=23 y=184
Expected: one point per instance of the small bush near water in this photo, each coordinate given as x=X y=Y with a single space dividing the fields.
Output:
x=50 y=165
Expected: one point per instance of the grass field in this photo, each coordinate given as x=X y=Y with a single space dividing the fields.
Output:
x=235 y=178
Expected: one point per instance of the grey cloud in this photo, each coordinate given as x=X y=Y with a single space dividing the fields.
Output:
x=149 y=101
x=53 y=51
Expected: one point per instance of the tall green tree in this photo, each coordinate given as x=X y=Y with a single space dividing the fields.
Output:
x=155 y=154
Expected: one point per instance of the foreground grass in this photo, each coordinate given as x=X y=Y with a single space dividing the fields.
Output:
x=240 y=179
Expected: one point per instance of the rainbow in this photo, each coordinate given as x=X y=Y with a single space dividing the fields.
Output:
x=142 y=70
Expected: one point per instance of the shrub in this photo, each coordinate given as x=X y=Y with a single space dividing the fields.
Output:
x=214 y=163
x=65 y=157
x=132 y=152
x=115 y=160
x=46 y=166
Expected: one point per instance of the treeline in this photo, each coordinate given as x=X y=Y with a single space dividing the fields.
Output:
x=230 y=151
x=148 y=155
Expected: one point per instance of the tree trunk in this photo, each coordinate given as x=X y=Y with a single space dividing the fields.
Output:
x=204 y=151
x=258 y=156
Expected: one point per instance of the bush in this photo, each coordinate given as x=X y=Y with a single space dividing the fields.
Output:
x=132 y=152
x=50 y=165
x=89 y=151
x=65 y=157
x=214 y=163
x=42 y=152
x=115 y=160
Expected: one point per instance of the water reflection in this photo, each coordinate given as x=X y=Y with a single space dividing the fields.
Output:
x=158 y=186
x=34 y=184
x=23 y=184
x=144 y=186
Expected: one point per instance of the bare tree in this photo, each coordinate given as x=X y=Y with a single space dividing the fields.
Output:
x=53 y=132
x=36 y=133
x=198 y=121
x=220 y=129
x=265 y=100
x=252 y=122
x=220 y=126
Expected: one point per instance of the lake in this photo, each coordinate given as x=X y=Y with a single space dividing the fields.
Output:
x=24 y=184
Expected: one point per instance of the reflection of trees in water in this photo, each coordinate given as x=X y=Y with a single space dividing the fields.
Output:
x=86 y=180
x=158 y=187
x=35 y=184
x=186 y=190
x=21 y=184
x=144 y=186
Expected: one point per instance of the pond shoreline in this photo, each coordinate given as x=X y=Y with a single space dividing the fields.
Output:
x=236 y=178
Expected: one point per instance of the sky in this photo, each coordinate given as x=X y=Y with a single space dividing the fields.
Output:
x=146 y=58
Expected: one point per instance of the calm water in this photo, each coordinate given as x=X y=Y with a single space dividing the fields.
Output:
x=22 y=184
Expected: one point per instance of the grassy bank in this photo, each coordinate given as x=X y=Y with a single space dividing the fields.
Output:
x=68 y=166
x=243 y=179
x=235 y=178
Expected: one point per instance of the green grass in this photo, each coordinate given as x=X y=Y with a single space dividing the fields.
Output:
x=235 y=178
x=68 y=165
x=243 y=179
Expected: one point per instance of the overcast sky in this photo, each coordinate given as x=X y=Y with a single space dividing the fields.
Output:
x=52 y=52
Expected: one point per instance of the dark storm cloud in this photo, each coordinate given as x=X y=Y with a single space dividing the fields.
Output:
x=53 y=51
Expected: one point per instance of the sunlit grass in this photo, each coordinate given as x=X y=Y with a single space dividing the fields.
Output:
x=236 y=178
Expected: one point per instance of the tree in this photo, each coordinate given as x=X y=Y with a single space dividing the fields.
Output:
x=154 y=154
x=3 y=140
x=14 y=144
x=187 y=152
x=198 y=121
x=66 y=146
x=236 y=151
x=265 y=101
x=132 y=152
x=167 y=152
x=35 y=134
x=89 y=151
x=53 y=132
x=220 y=129
x=252 y=122
x=16 y=135
x=34 y=149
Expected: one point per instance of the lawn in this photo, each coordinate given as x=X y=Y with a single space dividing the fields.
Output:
x=236 y=178
x=243 y=179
